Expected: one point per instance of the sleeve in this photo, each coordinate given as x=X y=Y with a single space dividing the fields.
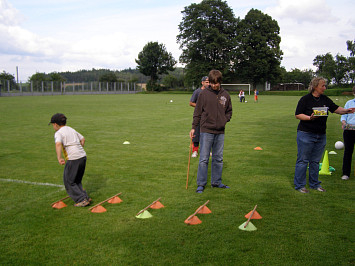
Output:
x=58 y=137
x=198 y=111
x=193 y=97
x=332 y=106
x=345 y=116
x=300 y=107
x=80 y=136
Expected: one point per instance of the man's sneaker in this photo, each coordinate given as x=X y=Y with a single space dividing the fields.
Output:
x=83 y=203
x=200 y=189
x=303 y=190
x=320 y=189
x=345 y=177
x=219 y=186
x=194 y=154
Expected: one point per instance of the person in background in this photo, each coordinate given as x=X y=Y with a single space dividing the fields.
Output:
x=311 y=134
x=193 y=101
x=348 y=125
x=256 y=93
x=241 y=96
x=213 y=110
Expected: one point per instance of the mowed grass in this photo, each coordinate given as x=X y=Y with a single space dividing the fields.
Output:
x=296 y=229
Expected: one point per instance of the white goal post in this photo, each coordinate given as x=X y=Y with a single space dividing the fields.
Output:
x=236 y=86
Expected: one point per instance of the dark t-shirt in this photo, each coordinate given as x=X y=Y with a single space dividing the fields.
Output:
x=195 y=95
x=305 y=105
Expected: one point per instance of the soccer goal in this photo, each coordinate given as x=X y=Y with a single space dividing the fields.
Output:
x=236 y=87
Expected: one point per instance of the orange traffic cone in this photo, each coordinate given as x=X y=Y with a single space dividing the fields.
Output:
x=157 y=205
x=59 y=204
x=204 y=210
x=114 y=200
x=256 y=215
x=98 y=209
x=193 y=220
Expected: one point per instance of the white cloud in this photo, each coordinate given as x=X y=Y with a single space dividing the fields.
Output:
x=73 y=36
x=8 y=14
x=315 y=11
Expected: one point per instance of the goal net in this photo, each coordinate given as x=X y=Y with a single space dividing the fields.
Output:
x=236 y=87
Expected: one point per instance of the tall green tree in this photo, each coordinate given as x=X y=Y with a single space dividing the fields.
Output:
x=341 y=69
x=207 y=39
x=258 y=48
x=351 y=60
x=325 y=66
x=153 y=61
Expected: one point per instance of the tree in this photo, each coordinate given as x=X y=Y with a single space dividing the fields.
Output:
x=341 y=69
x=325 y=66
x=39 y=77
x=108 y=77
x=153 y=61
x=7 y=76
x=56 y=77
x=207 y=39
x=351 y=60
x=299 y=76
x=258 y=54
x=351 y=47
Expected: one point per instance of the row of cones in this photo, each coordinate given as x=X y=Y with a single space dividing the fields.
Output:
x=144 y=213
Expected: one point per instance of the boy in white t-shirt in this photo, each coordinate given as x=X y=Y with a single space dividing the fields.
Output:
x=71 y=143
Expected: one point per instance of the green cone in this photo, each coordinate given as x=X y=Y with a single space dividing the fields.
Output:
x=144 y=215
x=249 y=227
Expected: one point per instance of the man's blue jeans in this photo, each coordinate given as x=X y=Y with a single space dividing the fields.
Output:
x=208 y=142
x=310 y=149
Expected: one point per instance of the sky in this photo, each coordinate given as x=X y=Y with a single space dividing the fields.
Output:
x=69 y=35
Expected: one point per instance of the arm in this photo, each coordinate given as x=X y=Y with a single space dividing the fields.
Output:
x=58 y=150
x=229 y=110
x=304 y=117
x=82 y=142
x=192 y=104
x=342 y=111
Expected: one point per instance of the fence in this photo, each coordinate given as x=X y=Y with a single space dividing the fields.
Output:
x=34 y=88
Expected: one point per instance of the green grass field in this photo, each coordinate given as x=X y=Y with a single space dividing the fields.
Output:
x=296 y=229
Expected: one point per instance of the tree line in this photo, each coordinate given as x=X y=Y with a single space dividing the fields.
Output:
x=211 y=37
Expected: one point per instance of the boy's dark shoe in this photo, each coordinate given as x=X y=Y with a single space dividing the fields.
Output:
x=83 y=203
x=200 y=189
x=219 y=186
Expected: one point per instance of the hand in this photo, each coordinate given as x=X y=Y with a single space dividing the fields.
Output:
x=192 y=133
x=312 y=117
x=351 y=110
x=61 y=161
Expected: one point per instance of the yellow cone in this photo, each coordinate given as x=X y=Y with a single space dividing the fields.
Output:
x=325 y=165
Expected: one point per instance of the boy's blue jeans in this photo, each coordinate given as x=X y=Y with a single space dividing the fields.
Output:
x=208 y=142
x=310 y=149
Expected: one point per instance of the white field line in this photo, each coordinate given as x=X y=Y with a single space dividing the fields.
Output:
x=31 y=183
